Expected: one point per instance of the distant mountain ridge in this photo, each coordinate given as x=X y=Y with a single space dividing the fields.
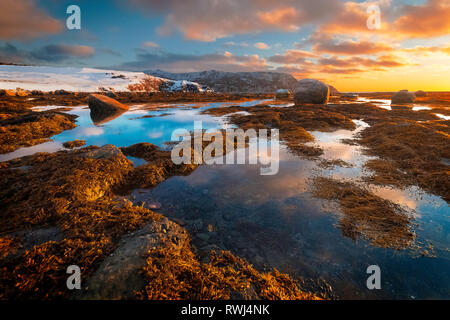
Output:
x=234 y=82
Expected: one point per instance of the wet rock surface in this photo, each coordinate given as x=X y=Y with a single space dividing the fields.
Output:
x=20 y=127
x=119 y=276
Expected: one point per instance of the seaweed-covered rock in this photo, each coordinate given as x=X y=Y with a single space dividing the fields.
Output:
x=119 y=276
x=24 y=128
x=74 y=144
x=311 y=91
x=105 y=152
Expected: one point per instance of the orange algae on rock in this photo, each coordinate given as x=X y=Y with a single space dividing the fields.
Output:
x=177 y=274
x=364 y=214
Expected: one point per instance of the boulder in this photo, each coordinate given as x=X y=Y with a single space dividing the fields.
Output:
x=119 y=276
x=103 y=107
x=403 y=96
x=61 y=92
x=283 y=94
x=421 y=93
x=311 y=91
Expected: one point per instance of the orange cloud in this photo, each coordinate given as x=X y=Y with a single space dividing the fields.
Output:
x=21 y=19
x=150 y=44
x=69 y=50
x=176 y=62
x=424 y=21
x=206 y=20
x=353 y=18
x=292 y=57
x=286 y=19
x=431 y=19
x=261 y=45
x=378 y=63
x=351 y=47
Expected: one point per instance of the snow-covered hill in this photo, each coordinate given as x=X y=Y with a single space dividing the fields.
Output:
x=88 y=80
x=220 y=81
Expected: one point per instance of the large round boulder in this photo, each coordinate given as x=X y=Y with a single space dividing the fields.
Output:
x=311 y=91
x=403 y=96
x=103 y=107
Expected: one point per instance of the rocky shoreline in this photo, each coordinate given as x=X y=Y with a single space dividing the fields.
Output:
x=61 y=208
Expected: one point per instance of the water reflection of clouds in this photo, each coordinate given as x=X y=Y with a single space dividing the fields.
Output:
x=46 y=108
x=155 y=135
x=290 y=181
x=89 y=132
x=401 y=197
x=381 y=103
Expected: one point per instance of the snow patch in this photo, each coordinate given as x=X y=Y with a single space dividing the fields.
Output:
x=80 y=79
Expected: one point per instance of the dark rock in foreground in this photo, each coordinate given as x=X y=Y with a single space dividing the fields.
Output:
x=404 y=96
x=119 y=276
x=311 y=91
x=103 y=107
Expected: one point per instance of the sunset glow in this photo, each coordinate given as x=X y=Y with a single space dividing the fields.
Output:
x=325 y=39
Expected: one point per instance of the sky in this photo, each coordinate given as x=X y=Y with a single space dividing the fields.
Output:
x=335 y=41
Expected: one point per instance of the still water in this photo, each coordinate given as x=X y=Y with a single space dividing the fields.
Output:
x=273 y=221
